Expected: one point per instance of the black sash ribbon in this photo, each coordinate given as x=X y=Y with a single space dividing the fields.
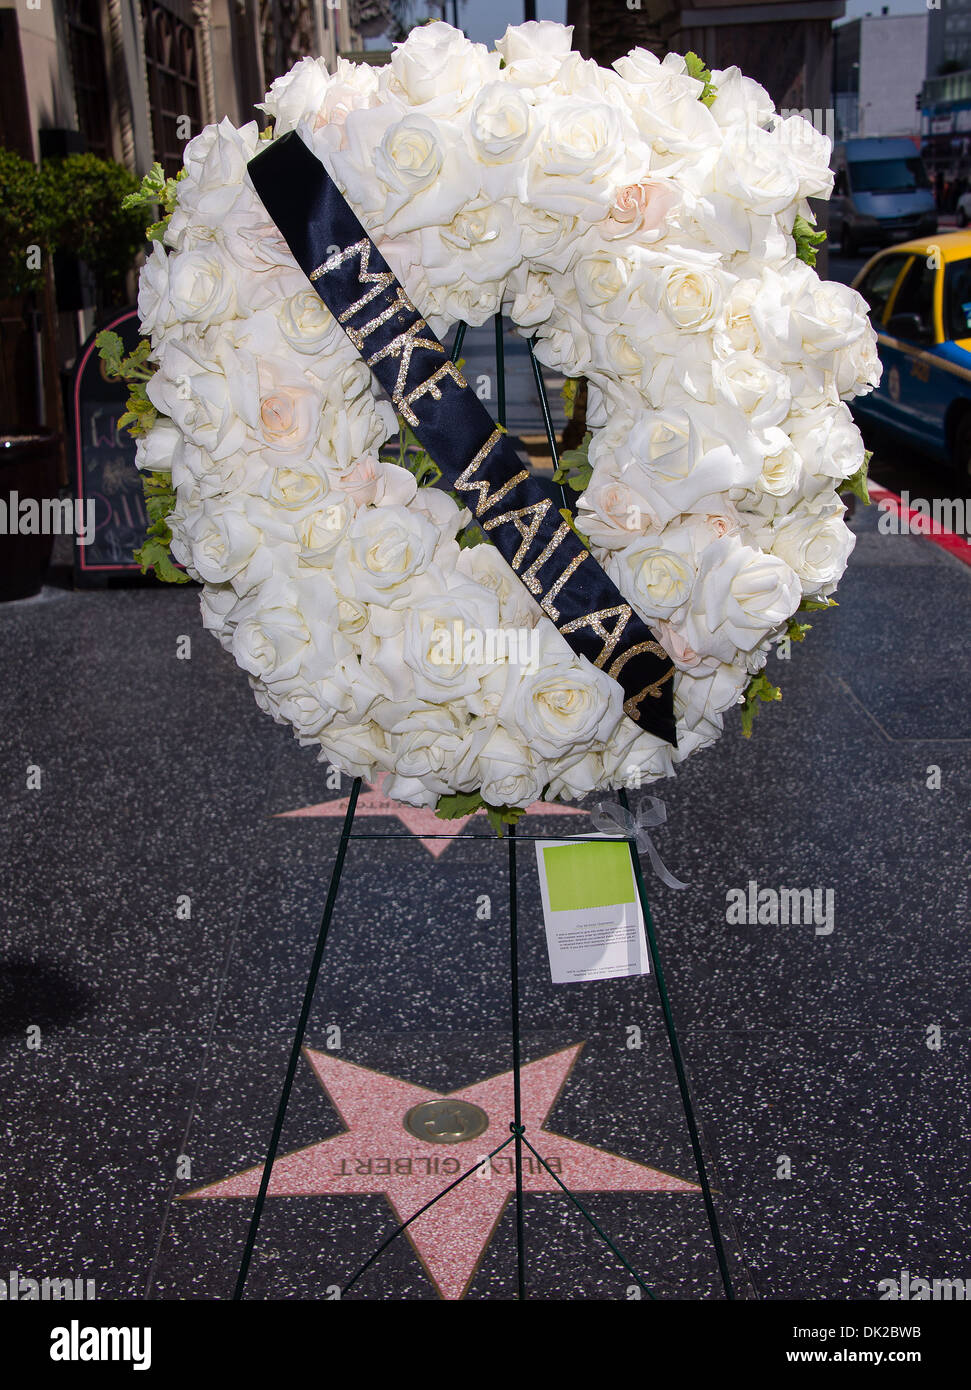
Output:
x=517 y=510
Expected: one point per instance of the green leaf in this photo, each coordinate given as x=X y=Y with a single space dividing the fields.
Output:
x=458 y=804
x=110 y=350
x=501 y=816
x=154 y=555
x=697 y=69
x=815 y=605
x=807 y=239
x=568 y=394
x=857 y=483
x=471 y=536
x=574 y=467
x=567 y=516
x=796 y=631
x=759 y=690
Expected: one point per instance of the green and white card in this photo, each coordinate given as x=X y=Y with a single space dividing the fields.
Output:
x=594 y=923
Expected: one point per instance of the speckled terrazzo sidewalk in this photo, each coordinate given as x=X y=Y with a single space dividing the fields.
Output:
x=831 y=1069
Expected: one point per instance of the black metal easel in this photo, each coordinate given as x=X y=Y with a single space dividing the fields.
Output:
x=517 y=1136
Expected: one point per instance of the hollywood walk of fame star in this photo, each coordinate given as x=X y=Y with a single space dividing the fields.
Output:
x=376 y=1154
x=419 y=820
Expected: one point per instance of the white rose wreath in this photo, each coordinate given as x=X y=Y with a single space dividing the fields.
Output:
x=648 y=225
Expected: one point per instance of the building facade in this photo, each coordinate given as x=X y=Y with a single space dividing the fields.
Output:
x=878 y=71
x=132 y=80
x=949 y=37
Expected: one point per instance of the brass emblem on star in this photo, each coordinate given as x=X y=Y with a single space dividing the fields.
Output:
x=446 y=1121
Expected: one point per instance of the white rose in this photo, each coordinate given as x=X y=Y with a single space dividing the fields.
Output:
x=270 y=636
x=829 y=317
x=154 y=451
x=215 y=167
x=579 y=144
x=564 y=706
x=501 y=126
x=749 y=384
x=359 y=749
x=422 y=173
x=601 y=281
x=829 y=442
x=690 y=297
x=655 y=573
x=858 y=367
x=438 y=66
x=432 y=752
x=195 y=388
x=483 y=243
x=815 y=542
x=507 y=774
x=385 y=547
x=307 y=325
x=535 y=51
x=704 y=697
x=534 y=302
x=754 y=170
x=809 y=151
x=297 y=92
x=484 y=565
x=739 y=596
x=433 y=652
x=217 y=542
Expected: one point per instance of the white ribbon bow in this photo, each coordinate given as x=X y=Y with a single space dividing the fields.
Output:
x=613 y=819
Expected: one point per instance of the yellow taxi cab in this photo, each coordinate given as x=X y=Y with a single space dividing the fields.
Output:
x=919 y=295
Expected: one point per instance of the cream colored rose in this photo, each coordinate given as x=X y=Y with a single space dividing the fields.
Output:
x=307 y=325
x=500 y=124
x=384 y=549
x=740 y=596
x=566 y=703
x=690 y=297
x=658 y=580
x=439 y=66
x=815 y=541
x=424 y=183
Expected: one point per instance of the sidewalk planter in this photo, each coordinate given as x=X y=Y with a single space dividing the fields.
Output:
x=28 y=469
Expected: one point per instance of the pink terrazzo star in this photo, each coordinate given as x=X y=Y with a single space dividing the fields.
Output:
x=418 y=820
x=376 y=1154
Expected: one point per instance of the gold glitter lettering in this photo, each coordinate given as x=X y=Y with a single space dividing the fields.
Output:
x=529 y=576
x=622 y=612
x=536 y=510
x=429 y=387
x=403 y=346
x=400 y=305
x=467 y=482
x=379 y=279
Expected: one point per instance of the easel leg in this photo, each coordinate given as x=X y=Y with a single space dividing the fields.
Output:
x=308 y=1000
x=689 y=1113
x=517 y=1124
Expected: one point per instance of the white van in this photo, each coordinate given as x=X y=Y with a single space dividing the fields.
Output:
x=882 y=194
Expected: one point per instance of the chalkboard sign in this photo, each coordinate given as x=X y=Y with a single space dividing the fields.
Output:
x=105 y=464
